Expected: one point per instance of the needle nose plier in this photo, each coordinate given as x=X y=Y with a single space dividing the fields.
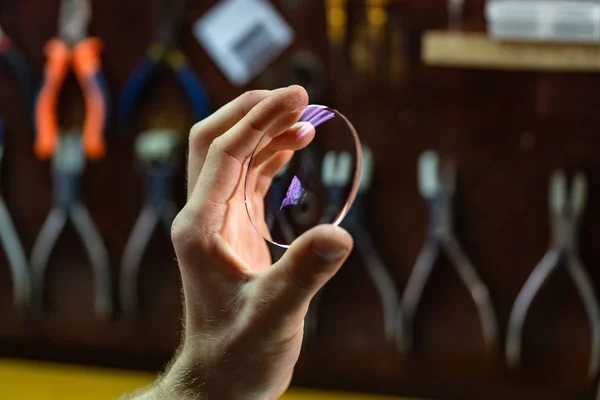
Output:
x=73 y=47
x=68 y=165
x=15 y=59
x=565 y=212
x=165 y=48
x=156 y=152
x=437 y=182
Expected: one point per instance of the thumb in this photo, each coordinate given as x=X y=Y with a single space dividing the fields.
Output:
x=311 y=261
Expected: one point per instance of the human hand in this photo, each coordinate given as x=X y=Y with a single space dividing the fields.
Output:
x=244 y=316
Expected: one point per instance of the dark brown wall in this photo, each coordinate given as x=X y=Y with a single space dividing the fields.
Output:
x=481 y=117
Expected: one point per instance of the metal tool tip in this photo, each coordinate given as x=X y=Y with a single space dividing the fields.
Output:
x=429 y=173
x=579 y=193
x=367 y=169
x=558 y=192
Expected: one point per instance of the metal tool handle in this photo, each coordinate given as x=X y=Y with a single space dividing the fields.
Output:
x=40 y=255
x=516 y=321
x=16 y=258
x=383 y=281
x=132 y=258
x=590 y=302
x=99 y=259
x=478 y=290
x=413 y=293
x=311 y=325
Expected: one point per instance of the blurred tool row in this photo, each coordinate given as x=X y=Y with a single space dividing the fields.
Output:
x=158 y=158
x=69 y=149
x=73 y=48
x=437 y=183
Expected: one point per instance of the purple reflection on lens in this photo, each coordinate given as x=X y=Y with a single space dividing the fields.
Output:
x=310 y=112
x=322 y=118
x=294 y=193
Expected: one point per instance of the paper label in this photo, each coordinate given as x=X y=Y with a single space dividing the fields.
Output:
x=243 y=37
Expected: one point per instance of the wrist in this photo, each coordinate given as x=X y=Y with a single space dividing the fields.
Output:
x=183 y=380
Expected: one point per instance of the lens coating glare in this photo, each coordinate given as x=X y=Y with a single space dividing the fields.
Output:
x=305 y=177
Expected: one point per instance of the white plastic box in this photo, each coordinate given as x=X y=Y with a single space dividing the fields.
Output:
x=564 y=21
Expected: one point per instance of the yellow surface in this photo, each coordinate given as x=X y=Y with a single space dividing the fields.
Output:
x=476 y=50
x=45 y=381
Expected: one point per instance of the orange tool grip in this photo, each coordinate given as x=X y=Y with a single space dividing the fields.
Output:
x=86 y=63
x=57 y=65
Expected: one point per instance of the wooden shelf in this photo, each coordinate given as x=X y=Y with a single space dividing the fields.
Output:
x=477 y=50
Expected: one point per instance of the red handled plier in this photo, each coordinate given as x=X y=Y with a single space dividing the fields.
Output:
x=73 y=48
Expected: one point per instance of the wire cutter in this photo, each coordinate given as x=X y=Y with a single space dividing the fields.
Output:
x=437 y=181
x=73 y=47
x=156 y=152
x=14 y=249
x=15 y=59
x=565 y=215
x=68 y=165
x=165 y=48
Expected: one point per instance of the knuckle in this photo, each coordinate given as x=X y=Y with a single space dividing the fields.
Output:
x=197 y=137
x=181 y=231
x=191 y=234
x=221 y=146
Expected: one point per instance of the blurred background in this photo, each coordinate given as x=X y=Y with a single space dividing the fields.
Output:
x=506 y=89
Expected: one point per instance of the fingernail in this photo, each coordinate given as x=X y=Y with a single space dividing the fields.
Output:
x=330 y=251
x=304 y=129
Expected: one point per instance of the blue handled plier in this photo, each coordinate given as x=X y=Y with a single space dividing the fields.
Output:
x=156 y=151
x=165 y=48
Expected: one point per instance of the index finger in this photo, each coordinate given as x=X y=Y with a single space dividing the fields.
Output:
x=225 y=163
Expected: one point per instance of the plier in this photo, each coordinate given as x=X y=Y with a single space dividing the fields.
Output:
x=437 y=183
x=337 y=172
x=15 y=59
x=157 y=155
x=355 y=223
x=73 y=48
x=165 y=48
x=68 y=165
x=565 y=212
x=14 y=249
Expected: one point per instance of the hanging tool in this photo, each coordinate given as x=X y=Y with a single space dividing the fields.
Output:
x=356 y=223
x=377 y=20
x=73 y=47
x=15 y=59
x=68 y=165
x=437 y=183
x=157 y=155
x=13 y=249
x=165 y=48
x=337 y=25
x=565 y=215
x=337 y=173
